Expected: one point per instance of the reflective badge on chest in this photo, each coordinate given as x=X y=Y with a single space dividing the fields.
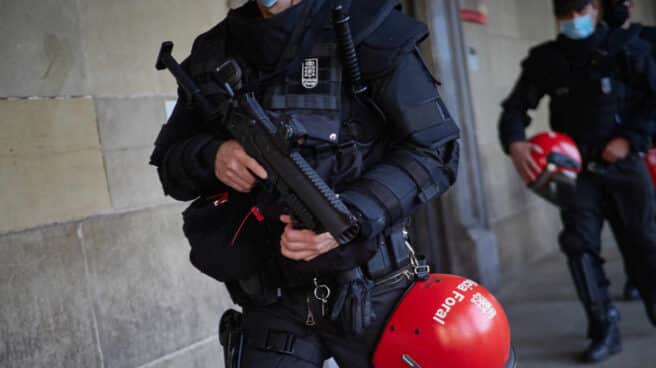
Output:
x=310 y=73
x=606 y=85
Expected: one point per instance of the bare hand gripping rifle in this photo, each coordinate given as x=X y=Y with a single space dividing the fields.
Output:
x=312 y=204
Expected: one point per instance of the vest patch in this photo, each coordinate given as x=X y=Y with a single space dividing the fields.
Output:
x=310 y=73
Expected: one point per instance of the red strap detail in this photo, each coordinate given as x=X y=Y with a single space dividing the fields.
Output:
x=258 y=216
x=219 y=198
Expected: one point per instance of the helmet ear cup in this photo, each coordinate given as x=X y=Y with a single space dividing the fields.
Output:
x=446 y=321
x=560 y=162
x=563 y=161
x=558 y=153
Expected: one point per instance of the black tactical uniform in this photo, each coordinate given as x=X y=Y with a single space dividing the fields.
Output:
x=617 y=13
x=648 y=34
x=601 y=87
x=385 y=152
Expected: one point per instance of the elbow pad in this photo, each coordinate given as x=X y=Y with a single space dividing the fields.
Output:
x=428 y=175
x=411 y=102
x=392 y=190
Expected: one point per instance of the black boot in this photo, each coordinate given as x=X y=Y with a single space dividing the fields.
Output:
x=598 y=325
x=605 y=335
x=651 y=313
x=650 y=306
x=631 y=292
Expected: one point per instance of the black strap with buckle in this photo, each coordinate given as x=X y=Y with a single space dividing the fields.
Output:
x=284 y=342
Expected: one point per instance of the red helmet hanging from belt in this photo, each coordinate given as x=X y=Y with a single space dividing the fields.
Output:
x=446 y=321
x=559 y=163
x=650 y=158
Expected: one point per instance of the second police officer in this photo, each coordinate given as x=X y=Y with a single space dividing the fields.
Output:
x=617 y=14
x=602 y=89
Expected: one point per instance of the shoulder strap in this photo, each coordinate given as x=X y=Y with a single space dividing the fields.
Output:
x=367 y=16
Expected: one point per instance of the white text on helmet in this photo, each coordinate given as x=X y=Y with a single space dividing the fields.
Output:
x=458 y=296
x=484 y=305
x=446 y=306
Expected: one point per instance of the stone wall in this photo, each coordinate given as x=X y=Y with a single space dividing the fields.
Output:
x=93 y=264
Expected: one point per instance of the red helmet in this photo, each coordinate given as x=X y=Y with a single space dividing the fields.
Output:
x=650 y=158
x=559 y=156
x=559 y=163
x=446 y=321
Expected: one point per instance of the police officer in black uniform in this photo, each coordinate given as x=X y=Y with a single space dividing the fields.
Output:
x=602 y=85
x=617 y=14
x=385 y=152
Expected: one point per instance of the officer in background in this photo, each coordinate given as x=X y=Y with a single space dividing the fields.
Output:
x=602 y=86
x=385 y=152
x=617 y=14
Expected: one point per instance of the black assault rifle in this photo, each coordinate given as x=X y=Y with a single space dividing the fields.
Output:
x=313 y=205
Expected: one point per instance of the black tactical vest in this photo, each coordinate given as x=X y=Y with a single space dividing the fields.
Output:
x=589 y=94
x=586 y=100
x=341 y=133
x=343 y=136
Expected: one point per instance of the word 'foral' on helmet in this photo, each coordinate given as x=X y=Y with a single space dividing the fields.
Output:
x=650 y=158
x=559 y=162
x=446 y=321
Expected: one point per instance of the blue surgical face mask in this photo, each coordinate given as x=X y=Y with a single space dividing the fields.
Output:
x=268 y=3
x=578 y=28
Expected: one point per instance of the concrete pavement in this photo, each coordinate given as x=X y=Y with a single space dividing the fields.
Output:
x=548 y=323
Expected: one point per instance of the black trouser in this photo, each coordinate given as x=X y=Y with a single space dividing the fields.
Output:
x=622 y=238
x=627 y=187
x=278 y=335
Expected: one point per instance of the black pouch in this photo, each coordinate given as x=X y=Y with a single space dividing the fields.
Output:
x=330 y=149
x=320 y=142
x=231 y=337
x=227 y=237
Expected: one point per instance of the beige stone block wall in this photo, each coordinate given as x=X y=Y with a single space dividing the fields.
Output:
x=95 y=269
x=42 y=49
x=51 y=166
x=123 y=37
x=97 y=48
